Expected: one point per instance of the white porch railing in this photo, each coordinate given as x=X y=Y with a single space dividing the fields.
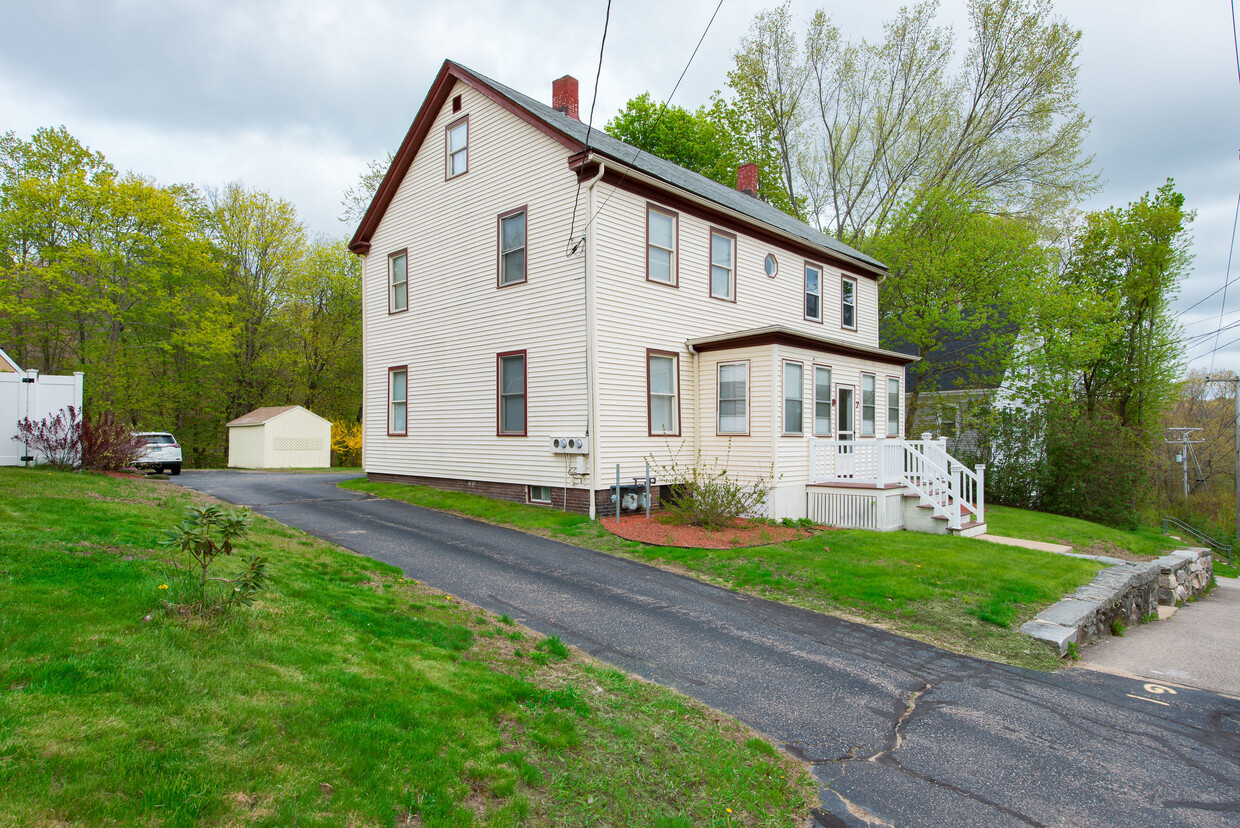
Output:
x=940 y=480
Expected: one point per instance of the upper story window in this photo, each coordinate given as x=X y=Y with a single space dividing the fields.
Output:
x=661 y=232
x=723 y=265
x=398 y=281
x=813 y=292
x=771 y=265
x=867 y=405
x=733 y=398
x=893 y=407
x=822 y=401
x=398 y=387
x=511 y=381
x=662 y=384
x=794 y=395
x=848 y=303
x=512 y=247
x=458 y=147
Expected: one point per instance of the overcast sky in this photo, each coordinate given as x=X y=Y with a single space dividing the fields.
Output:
x=296 y=97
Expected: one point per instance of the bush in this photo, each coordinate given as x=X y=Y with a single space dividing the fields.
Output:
x=346 y=443
x=57 y=437
x=706 y=495
x=108 y=444
x=197 y=537
x=1097 y=469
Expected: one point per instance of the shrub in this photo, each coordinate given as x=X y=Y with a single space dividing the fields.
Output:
x=705 y=494
x=207 y=533
x=57 y=438
x=108 y=444
x=346 y=443
x=1097 y=469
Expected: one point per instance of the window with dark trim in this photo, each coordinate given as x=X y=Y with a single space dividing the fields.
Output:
x=510 y=380
x=663 y=393
x=893 y=407
x=848 y=303
x=867 y=405
x=771 y=265
x=722 y=265
x=822 y=401
x=456 y=148
x=733 y=398
x=398 y=401
x=794 y=398
x=398 y=281
x=661 y=255
x=813 y=292
x=512 y=263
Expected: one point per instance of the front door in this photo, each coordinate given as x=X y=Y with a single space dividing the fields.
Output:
x=844 y=411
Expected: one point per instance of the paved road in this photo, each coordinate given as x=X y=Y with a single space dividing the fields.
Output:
x=1199 y=646
x=898 y=733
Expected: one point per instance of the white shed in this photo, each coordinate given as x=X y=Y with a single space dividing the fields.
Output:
x=280 y=437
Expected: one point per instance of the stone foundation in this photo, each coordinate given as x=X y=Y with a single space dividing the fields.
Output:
x=1127 y=593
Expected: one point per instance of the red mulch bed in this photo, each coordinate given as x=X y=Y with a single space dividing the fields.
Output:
x=659 y=532
x=123 y=475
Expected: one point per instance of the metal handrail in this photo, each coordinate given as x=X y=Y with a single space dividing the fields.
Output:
x=1181 y=526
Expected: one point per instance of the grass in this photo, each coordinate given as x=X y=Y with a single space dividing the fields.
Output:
x=346 y=695
x=966 y=595
x=1085 y=537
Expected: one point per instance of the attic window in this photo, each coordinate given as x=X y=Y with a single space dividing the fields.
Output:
x=457 y=148
x=456 y=103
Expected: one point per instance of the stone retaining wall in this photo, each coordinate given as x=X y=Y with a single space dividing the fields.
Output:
x=1127 y=592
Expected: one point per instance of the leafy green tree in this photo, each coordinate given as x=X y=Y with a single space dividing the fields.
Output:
x=712 y=141
x=359 y=195
x=960 y=282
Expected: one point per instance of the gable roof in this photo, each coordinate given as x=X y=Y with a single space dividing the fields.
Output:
x=572 y=133
x=7 y=365
x=261 y=415
x=972 y=361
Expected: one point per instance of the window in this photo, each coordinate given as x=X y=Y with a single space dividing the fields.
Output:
x=662 y=385
x=661 y=234
x=398 y=281
x=771 y=266
x=813 y=293
x=947 y=421
x=867 y=405
x=794 y=395
x=848 y=303
x=893 y=407
x=511 y=394
x=540 y=494
x=722 y=265
x=733 y=397
x=397 y=401
x=457 y=147
x=822 y=401
x=512 y=247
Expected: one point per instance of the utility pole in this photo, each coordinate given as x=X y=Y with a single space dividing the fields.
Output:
x=1184 y=442
x=1235 y=383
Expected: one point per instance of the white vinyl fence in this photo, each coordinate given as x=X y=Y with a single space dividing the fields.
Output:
x=30 y=395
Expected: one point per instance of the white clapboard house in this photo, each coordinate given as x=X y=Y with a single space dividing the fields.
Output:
x=540 y=313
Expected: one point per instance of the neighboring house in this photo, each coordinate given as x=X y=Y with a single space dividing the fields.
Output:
x=280 y=437
x=539 y=313
x=36 y=396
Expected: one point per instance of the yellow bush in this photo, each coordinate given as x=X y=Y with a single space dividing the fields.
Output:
x=346 y=443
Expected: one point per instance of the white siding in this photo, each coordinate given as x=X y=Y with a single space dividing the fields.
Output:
x=245 y=447
x=458 y=320
x=297 y=439
x=634 y=314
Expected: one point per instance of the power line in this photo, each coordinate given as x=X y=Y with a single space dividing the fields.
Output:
x=1232 y=248
x=1225 y=283
x=1234 y=40
x=590 y=123
x=662 y=110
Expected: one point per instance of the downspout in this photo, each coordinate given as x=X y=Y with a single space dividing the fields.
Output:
x=591 y=339
x=697 y=404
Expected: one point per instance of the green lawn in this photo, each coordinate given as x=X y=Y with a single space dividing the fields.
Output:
x=1085 y=537
x=966 y=595
x=344 y=696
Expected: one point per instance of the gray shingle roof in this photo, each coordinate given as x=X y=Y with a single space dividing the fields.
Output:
x=676 y=175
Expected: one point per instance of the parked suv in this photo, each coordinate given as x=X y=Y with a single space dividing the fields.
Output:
x=160 y=452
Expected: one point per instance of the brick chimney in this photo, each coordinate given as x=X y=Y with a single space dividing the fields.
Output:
x=747 y=179
x=564 y=96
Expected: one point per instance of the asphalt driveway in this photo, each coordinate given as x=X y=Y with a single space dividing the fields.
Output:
x=898 y=732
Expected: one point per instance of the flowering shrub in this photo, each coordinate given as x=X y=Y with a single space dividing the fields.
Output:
x=108 y=444
x=346 y=443
x=57 y=438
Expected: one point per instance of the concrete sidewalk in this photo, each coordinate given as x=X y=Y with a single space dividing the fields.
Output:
x=1199 y=646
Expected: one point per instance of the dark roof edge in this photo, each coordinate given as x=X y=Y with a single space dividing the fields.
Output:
x=778 y=334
